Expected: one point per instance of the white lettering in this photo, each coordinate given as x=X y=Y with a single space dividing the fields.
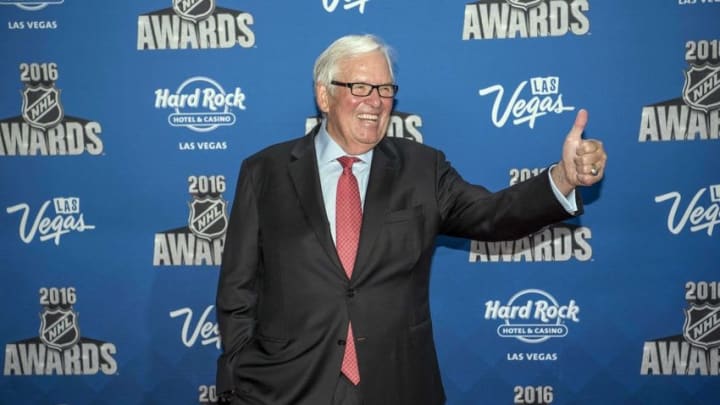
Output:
x=208 y=331
x=47 y=227
x=522 y=110
x=700 y=218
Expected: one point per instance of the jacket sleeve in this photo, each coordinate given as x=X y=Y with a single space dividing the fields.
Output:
x=471 y=211
x=238 y=282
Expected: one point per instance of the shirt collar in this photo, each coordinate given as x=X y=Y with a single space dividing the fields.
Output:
x=328 y=150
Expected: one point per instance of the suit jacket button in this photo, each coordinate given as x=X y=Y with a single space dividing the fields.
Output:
x=351 y=292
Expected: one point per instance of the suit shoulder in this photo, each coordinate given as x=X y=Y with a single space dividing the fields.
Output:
x=276 y=151
x=409 y=147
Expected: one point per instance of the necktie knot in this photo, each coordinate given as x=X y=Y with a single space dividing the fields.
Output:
x=347 y=161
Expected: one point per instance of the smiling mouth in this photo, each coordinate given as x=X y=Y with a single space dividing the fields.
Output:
x=368 y=117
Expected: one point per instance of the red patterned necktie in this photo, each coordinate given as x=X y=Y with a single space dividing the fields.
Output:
x=348 y=218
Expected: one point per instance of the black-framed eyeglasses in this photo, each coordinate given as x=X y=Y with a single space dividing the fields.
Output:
x=364 y=89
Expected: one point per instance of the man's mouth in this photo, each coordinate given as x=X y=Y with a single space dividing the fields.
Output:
x=368 y=117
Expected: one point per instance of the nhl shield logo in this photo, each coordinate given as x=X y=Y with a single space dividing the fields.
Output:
x=702 y=326
x=208 y=218
x=194 y=10
x=41 y=106
x=524 y=4
x=701 y=90
x=58 y=328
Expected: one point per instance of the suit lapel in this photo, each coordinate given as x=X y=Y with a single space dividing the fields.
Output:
x=383 y=173
x=306 y=180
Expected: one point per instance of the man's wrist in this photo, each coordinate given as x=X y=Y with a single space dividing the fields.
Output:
x=559 y=178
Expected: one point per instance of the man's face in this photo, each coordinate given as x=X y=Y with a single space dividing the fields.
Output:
x=356 y=123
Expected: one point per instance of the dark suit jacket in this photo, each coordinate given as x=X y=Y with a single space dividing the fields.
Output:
x=284 y=302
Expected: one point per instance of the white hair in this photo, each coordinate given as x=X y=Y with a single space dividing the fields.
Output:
x=327 y=64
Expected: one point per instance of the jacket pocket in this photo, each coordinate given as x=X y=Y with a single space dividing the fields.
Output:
x=271 y=345
x=419 y=330
x=404 y=215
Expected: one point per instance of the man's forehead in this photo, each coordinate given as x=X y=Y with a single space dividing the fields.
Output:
x=364 y=64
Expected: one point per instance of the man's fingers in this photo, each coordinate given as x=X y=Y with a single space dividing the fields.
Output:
x=588 y=147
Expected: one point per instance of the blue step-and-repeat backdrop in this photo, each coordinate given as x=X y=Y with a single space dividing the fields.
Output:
x=123 y=125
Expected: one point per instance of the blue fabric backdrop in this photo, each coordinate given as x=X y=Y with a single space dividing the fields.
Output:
x=123 y=124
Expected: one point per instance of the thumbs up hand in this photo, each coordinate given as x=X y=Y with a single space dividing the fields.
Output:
x=583 y=160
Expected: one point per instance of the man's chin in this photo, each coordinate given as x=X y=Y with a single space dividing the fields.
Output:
x=370 y=139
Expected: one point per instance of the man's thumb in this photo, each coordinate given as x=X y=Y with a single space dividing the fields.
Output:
x=575 y=134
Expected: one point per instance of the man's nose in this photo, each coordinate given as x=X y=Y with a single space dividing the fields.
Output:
x=374 y=98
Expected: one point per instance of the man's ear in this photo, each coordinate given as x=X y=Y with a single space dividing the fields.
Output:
x=322 y=98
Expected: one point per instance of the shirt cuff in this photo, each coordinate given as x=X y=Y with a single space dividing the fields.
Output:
x=569 y=202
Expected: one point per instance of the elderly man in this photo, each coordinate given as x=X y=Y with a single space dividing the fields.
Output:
x=323 y=291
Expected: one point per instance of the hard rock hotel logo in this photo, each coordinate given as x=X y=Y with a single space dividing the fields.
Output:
x=200 y=104
x=514 y=19
x=195 y=24
x=201 y=242
x=533 y=316
x=59 y=348
x=697 y=351
x=696 y=114
x=28 y=22
x=43 y=128
x=30 y=5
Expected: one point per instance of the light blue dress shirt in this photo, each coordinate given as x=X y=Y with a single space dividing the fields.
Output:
x=327 y=151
